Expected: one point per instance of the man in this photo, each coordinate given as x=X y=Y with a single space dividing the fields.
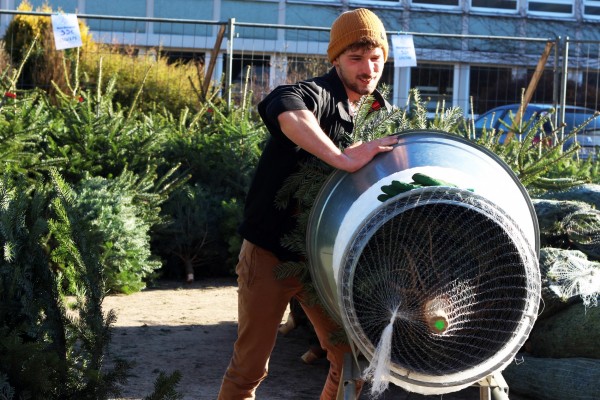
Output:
x=309 y=118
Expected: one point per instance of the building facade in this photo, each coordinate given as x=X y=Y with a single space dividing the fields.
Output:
x=468 y=51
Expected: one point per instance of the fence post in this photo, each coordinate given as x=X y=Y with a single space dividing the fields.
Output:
x=229 y=63
x=556 y=78
x=563 y=86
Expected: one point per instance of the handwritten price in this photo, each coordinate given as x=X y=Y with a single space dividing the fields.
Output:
x=68 y=34
x=66 y=31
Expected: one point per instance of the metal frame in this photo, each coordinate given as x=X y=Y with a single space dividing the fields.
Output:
x=492 y=387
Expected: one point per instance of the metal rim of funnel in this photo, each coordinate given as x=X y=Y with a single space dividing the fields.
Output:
x=422 y=382
x=327 y=201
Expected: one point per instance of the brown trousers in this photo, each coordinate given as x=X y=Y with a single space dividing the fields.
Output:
x=262 y=301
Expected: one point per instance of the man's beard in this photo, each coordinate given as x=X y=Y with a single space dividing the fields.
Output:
x=356 y=86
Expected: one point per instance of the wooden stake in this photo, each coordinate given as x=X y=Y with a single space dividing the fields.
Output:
x=213 y=60
x=539 y=69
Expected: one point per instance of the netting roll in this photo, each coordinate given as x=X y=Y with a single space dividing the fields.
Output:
x=459 y=276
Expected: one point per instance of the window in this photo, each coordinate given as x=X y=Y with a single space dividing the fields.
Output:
x=494 y=5
x=377 y=1
x=250 y=72
x=434 y=82
x=551 y=7
x=490 y=87
x=591 y=8
x=441 y=3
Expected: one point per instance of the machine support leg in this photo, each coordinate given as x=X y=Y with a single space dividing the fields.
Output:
x=350 y=374
x=493 y=387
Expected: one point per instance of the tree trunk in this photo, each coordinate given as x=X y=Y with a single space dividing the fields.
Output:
x=189 y=270
x=554 y=379
x=574 y=332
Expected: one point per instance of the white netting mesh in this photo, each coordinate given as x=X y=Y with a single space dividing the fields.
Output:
x=462 y=277
x=583 y=230
x=572 y=274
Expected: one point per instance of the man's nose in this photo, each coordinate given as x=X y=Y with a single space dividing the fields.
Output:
x=369 y=66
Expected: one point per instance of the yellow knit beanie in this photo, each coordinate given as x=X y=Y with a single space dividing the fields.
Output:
x=349 y=27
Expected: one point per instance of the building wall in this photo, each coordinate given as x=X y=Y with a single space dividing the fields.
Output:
x=445 y=65
x=400 y=15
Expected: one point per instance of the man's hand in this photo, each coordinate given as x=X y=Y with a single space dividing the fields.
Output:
x=359 y=154
x=302 y=128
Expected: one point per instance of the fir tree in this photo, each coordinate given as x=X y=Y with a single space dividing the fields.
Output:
x=46 y=352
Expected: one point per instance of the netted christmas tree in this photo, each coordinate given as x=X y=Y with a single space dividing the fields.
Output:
x=371 y=121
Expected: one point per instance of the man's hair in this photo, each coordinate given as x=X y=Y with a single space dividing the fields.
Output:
x=364 y=43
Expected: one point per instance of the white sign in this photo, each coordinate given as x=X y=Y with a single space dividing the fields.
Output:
x=404 y=51
x=66 y=31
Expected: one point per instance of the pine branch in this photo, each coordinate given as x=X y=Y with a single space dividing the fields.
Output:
x=291 y=269
x=311 y=172
x=164 y=387
x=7 y=392
x=420 y=110
x=448 y=120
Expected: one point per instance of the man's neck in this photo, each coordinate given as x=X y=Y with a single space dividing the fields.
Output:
x=353 y=106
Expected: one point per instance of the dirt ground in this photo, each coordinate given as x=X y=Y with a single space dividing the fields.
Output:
x=192 y=327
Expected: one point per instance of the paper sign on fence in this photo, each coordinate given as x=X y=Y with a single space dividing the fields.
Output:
x=66 y=31
x=404 y=51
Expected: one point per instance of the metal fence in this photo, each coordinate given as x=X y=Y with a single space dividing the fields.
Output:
x=473 y=72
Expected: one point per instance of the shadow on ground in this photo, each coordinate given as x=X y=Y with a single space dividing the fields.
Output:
x=192 y=329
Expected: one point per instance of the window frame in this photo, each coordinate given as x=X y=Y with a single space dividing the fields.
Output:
x=552 y=14
x=594 y=4
x=388 y=3
x=479 y=9
x=435 y=6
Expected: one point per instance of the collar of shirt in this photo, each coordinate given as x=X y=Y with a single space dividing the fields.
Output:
x=339 y=93
x=343 y=103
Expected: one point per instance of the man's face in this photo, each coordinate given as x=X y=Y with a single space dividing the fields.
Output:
x=360 y=71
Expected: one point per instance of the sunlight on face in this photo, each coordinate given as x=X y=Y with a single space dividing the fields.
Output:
x=360 y=71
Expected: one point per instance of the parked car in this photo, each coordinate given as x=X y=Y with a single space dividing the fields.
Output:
x=588 y=137
x=589 y=140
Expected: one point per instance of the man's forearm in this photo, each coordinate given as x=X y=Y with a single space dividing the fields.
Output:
x=302 y=128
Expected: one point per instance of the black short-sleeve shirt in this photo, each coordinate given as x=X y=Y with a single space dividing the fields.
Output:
x=264 y=224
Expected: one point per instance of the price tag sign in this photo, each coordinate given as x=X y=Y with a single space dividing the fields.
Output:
x=404 y=51
x=66 y=31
